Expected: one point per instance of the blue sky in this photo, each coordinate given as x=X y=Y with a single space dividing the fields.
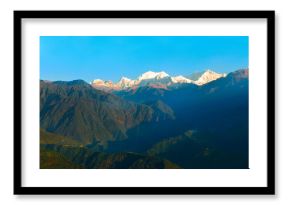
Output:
x=111 y=57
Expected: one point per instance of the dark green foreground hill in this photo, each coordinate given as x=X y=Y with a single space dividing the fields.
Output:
x=77 y=110
x=79 y=157
x=59 y=152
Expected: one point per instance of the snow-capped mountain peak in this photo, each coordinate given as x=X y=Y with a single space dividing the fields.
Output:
x=125 y=79
x=180 y=79
x=156 y=79
x=125 y=82
x=97 y=81
x=208 y=76
x=161 y=75
x=103 y=85
x=151 y=75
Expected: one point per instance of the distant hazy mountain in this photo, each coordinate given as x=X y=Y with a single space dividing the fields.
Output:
x=195 y=76
x=156 y=80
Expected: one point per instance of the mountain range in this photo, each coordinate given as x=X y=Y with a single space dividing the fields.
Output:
x=155 y=121
x=157 y=80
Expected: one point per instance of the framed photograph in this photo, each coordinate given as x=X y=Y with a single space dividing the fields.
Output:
x=144 y=102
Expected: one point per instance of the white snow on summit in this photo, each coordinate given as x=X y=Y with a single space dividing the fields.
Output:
x=208 y=76
x=125 y=83
x=97 y=81
x=180 y=79
x=150 y=75
x=155 y=79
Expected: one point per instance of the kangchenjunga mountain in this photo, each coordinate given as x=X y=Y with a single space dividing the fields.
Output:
x=157 y=80
x=159 y=121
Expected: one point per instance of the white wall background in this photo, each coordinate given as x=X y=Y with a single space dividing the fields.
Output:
x=282 y=98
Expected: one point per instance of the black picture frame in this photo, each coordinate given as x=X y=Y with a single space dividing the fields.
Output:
x=269 y=189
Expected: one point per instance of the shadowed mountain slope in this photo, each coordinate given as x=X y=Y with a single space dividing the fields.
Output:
x=77 y=110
